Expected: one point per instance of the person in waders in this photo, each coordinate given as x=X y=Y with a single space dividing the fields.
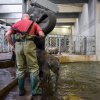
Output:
x=25 y=50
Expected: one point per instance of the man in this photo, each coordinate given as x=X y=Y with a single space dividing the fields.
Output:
x=25 y=50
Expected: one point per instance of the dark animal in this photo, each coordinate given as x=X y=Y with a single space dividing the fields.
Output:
x=48 y=63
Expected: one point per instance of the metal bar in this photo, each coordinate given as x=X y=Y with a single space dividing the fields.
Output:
x=47 y=41
x=50 y=42
x=57 y=42
x=85 y=45
x=59 y=48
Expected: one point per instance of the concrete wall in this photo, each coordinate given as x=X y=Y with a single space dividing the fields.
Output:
x=76 y=29
x=62 y=30
x=84 y=21
x=98 y=30
x=85 y=26
x=92 y=17
x=88 y=25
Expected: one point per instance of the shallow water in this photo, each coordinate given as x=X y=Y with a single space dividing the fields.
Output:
x=78 y=81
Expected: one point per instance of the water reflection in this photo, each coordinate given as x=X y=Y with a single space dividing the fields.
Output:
x=78 y=81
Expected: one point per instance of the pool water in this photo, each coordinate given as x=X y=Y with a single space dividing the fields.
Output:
x=77 y=81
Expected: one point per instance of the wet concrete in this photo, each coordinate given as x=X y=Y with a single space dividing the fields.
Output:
x=6 y=76
x=13 y=95
x=4 y=56
x=78 y=81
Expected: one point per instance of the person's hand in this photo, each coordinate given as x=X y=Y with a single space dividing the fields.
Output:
x=41 y=34
x=13 y=48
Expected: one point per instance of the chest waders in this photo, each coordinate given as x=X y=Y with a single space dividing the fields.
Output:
x=25 y=50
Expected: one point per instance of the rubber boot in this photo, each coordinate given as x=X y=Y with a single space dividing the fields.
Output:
x=21 y=81
x=35 y=86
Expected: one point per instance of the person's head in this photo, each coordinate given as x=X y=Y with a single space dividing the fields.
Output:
x=25 y=16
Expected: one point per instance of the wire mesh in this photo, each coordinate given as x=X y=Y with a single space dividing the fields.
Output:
x=4 y=45
x=71 y=44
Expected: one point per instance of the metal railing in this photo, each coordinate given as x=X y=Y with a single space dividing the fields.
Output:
x=58 y=41
x=4 y=45
x=63 y=43
x=71 y=44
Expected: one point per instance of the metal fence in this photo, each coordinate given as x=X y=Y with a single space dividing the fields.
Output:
x=84 y=45
x=4 y=45
x=71 y=44
x=63 y=43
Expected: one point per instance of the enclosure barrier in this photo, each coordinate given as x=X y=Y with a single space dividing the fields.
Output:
x=78 y=45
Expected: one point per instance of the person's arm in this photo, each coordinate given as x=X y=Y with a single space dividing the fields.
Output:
x=8 y=36
x=39 y=30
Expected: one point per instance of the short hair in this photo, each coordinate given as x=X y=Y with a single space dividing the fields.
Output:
x=25 y=16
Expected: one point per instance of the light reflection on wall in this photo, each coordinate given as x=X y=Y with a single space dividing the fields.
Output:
x=62 y=30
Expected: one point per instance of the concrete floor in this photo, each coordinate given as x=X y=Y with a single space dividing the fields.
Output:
x=6 y=76
x=4 y=56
